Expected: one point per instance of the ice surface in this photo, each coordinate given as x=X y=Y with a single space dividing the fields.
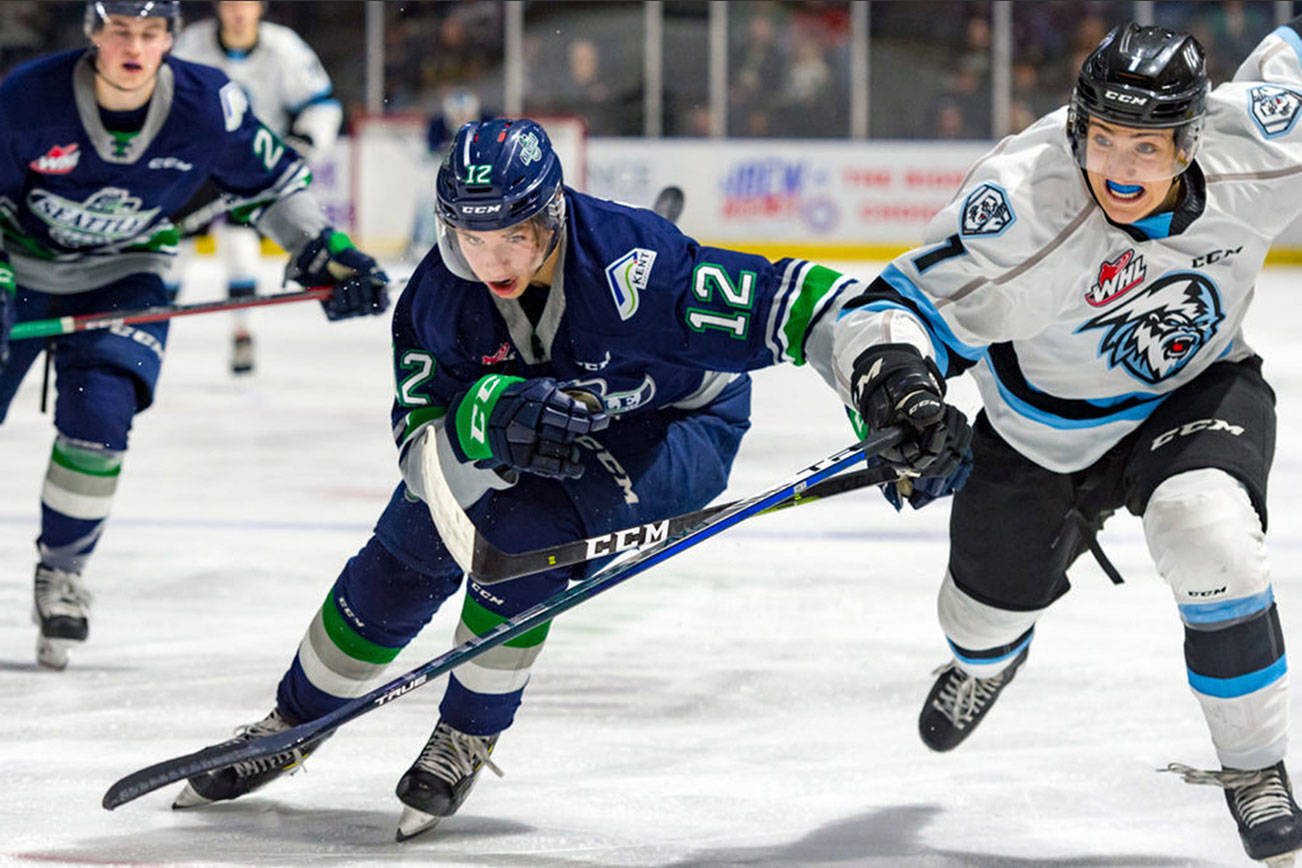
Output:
x=750 y=702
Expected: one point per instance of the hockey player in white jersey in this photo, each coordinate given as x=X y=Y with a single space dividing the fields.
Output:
x=291 y=93
x=1093 y=273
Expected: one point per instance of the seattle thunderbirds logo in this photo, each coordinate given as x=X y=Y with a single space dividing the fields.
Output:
x=1157 y=331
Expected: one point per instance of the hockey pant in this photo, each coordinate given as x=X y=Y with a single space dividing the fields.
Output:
x=102 y=379
x=644 y=468
x=1196 y=472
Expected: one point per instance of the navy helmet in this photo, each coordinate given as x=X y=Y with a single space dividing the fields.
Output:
x=1147 y=78
x=98 y=11
x=497 y=174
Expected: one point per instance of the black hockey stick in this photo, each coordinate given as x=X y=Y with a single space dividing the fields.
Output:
x=490 y=565
x=669 y=203
x=219 y=756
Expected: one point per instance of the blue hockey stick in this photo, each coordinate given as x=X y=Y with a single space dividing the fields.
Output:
x=219 y=756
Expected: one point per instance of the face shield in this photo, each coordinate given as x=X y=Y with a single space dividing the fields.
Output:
x=548 y=224
x=1126 y=154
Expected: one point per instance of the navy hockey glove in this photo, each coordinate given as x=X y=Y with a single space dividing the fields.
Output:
x=7 y=289
x=361 y=286
x=893 y=384
x=922 y=490
x=529 y=425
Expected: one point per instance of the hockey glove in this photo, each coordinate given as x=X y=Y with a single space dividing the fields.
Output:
x=893 y=384
x=922 y=490
x=361 y=286
x=8 y=288
x=529 y=425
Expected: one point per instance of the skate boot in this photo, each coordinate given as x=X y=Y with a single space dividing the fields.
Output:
x=1261 y=802
x=242 y=352
x=441 y=778
x=957 y=702
x=61 y=608
x=234 y=781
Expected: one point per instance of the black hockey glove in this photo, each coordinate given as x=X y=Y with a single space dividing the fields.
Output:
x=529 y=425
x=893 y=384
x=922 y=490
x=361 y=286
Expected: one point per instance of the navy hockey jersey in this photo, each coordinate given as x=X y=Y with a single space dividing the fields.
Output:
x=81 y=207
x=638 y=313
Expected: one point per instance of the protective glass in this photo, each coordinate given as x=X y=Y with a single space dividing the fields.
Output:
x=1142 y=155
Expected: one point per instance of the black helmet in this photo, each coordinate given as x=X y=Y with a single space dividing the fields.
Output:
x=1145 y=77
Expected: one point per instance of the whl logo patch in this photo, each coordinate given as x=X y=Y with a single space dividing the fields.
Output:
x=628 y=276
x=58 y=160
x=1116 y=277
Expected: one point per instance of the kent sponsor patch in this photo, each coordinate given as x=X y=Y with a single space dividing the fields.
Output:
x=58 y=160
x=986 y=211
x=1274 y=109
x=1116 y=277
x=628 y=276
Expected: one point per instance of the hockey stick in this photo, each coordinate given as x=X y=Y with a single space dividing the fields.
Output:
x=669 y=203
x=489 y=565
x=66 y=325
x=219 y=756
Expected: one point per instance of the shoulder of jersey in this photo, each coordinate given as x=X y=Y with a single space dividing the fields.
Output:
x=280 y=38
x=40 y=81
x=197 y=35
x=1030 y=177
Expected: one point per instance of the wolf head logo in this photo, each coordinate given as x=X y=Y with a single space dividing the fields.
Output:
x=1156 y=333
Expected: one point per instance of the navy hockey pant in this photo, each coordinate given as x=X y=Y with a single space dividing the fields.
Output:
x=643 y=468
x=102 y=379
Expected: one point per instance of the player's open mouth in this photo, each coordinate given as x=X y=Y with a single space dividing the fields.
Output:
x=132 y=66
x=502 y=287
x=1125 y=191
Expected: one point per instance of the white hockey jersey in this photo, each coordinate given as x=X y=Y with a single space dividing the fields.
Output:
x=287 y=86
x=1075 y=328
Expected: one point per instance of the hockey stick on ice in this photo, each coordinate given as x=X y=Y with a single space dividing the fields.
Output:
x=66 y=325
x=169 y=771
x=488 y=565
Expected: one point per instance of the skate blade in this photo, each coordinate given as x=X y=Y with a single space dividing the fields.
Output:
x=413 y=822
x=53 y=653
x=1283 y=860
x=189 y=798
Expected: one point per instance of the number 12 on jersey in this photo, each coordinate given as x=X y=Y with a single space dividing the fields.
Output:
x=706 y=278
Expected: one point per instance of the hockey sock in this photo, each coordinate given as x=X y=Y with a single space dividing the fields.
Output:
x=78 y=494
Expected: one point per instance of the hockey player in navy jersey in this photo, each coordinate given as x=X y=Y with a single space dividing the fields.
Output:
x=1093 y=273
x=96 y=149
x=575 y=366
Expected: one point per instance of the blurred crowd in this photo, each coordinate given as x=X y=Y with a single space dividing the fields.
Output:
x=789 y=70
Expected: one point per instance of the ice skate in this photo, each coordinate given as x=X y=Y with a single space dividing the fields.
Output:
x=242 y=352
x=1261 y=802
x=441 y=778
x=234 y=781
x=957 y=703
x=61 y=609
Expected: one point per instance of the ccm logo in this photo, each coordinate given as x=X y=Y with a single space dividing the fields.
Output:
x=480 y=209
x=1126 y=98
x=1193 y=428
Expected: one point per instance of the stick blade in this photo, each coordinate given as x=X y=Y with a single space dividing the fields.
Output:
x=669 y=203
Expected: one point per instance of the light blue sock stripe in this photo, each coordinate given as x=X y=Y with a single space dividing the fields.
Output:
x=1226 y=610
x=985 y=661
x=1242 y=685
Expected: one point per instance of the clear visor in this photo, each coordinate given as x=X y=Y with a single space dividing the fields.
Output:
x=496 y=252
x=1135 y=155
